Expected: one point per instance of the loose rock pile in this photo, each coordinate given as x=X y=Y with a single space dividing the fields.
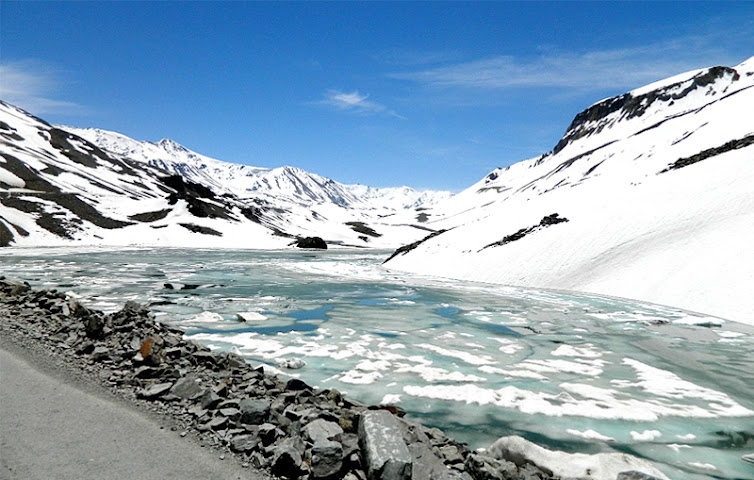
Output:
x=282 y=426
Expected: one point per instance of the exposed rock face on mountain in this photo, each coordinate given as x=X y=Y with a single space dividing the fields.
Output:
x=656 y=185
x=62 y=185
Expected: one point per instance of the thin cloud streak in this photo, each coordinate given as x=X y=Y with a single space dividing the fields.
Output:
x=354 y=102
x=618 y=68
x=30 y=86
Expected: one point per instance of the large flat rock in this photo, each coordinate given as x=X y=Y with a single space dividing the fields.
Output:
x=386 y=456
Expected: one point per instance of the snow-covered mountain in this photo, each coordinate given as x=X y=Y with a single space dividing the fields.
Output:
x=63 y=185
x=293 y=184
x=648 y=195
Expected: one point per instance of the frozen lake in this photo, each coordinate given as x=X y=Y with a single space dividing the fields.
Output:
x=575 y=372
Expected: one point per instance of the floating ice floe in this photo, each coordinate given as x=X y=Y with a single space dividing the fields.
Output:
x=291 y=363
x=390 y=398
x=703 y=466
x=206 y=317
x=590 y=435
x=250 y=317
x=646 y=435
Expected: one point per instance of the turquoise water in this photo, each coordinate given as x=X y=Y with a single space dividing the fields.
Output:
x=577 y=372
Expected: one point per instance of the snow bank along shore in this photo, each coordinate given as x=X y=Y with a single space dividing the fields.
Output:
x=281 y=426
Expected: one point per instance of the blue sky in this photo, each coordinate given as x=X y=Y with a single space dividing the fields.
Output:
x=429 y=95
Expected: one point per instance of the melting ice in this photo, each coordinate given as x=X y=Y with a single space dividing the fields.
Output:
x=575 y=372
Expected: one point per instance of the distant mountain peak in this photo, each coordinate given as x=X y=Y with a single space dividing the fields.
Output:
x=171 y=146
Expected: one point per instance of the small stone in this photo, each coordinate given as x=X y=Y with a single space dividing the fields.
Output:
x=155 y=391
x=100 y=353
x=230 y=412
x=451 y=454
x=209 y=399
x=218 y=423
x=186 y=387
x=244 y=443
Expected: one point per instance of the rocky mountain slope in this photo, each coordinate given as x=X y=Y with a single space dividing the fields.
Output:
x=64 y=185
x=648 y=195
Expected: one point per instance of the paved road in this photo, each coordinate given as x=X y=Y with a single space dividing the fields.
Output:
x=53 y=427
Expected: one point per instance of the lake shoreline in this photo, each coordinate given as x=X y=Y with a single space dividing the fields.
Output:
x=268 y=424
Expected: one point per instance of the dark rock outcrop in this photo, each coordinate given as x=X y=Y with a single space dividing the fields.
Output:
x=710 y=152
x=6 y=236
x=192 y=227
x=148 y=217
x=547 y=221
x=361 y=227
x=411 y=246
x=311 y=242
x=592 y=120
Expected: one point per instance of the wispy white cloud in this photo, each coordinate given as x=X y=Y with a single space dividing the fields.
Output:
x=354 y=102
x=31 y=85
x=624 y=68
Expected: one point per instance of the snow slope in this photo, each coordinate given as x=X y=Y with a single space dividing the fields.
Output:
x=62 y=185
x=656 y=185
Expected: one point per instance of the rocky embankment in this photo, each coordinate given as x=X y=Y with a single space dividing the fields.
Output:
x=281 y=426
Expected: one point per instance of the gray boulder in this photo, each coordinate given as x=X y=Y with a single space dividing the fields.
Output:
x=482 y=467
x=287 y=458
x=254 y=412
x=385 y=454
x=635 y=475
x=327 y=458
x=311 y=242
x=321 y=429
x=268 y=433
x=94 y=326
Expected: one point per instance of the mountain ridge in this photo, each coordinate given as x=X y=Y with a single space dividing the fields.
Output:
x=656 y=185
x=58 y=187
x=242 y=179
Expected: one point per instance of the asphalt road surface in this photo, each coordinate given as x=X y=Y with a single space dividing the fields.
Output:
x=53 y=426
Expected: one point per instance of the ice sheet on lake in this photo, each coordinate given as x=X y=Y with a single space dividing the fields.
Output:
x=473 y=359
